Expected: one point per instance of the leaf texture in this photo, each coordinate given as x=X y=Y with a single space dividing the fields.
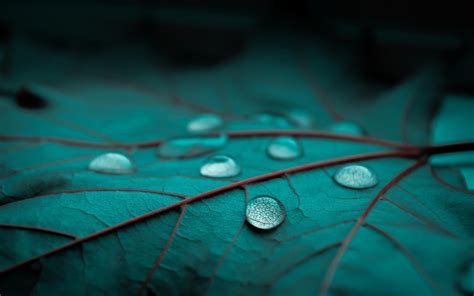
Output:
x=166 y=230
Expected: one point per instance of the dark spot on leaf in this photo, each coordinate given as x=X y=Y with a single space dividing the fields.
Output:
x=27 y=99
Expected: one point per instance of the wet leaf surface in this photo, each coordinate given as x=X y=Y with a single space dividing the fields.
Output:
x=166 y=229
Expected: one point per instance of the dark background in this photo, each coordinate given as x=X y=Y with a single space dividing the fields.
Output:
x=394 y=37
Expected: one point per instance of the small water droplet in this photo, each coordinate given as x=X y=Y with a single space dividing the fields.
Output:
x=284 y=148
x=347 y=128
x=273 y=120
x=112 y=163
x=205 y=123
x=301 y=118
x=265 y=212
x=355 y=177
x=220 y=166
x=191 y=146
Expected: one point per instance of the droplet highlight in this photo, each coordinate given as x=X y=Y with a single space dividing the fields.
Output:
x=273 y=120
x=112 y=163
x=355 y=177
x=189 y=147
x=301 y=118
x=220 y=166
x=347 y=128
x=284 y=148
x=265 y=212
x=205 y=123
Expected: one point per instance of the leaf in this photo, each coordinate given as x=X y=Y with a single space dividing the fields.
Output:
x=167 y=230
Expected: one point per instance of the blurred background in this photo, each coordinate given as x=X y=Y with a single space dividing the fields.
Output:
x=352 y=61
x=392 y=38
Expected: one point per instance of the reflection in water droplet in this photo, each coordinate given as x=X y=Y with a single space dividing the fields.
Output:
x=191 y=146
x=347 y=128
x=220 y=166
x=301 y=118
x=355 y=177
x=112 y=163
x=273 y=120
x=284 y=148
x=205 y=123
x=265 y=212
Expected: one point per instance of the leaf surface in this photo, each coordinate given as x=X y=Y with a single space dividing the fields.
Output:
x=167 y=230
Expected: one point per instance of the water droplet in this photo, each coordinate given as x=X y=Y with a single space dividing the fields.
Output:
x=301 y=118
x=205 y=123
x=284 y=148
x=220 y=166
x=265 y=212
x=355 y=177
x=347 y=128
x=112 y=163
x=191 y=146
x=273 y=120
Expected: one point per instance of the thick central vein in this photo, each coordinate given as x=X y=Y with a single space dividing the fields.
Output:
x=264 y=177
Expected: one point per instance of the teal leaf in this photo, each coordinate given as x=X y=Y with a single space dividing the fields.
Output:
x=166 y=229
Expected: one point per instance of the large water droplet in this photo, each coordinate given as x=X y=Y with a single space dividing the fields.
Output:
x=355 y=177
x=220 y=166
x=301 y=118
x=273 y=120
x=205 y=123
x=191 y=146
x=284 y=148
x=347 y=128
x=265 y=212
x=112 y=163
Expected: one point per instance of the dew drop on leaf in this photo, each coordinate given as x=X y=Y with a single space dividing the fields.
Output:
x=189 y=147
x=205 y=123
x=265 y=212
x=220 y=166
x=284 y=148
x=273 y=120
x=112 y=163
x=347 y=128
x=301 y=118
x=355 y=177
